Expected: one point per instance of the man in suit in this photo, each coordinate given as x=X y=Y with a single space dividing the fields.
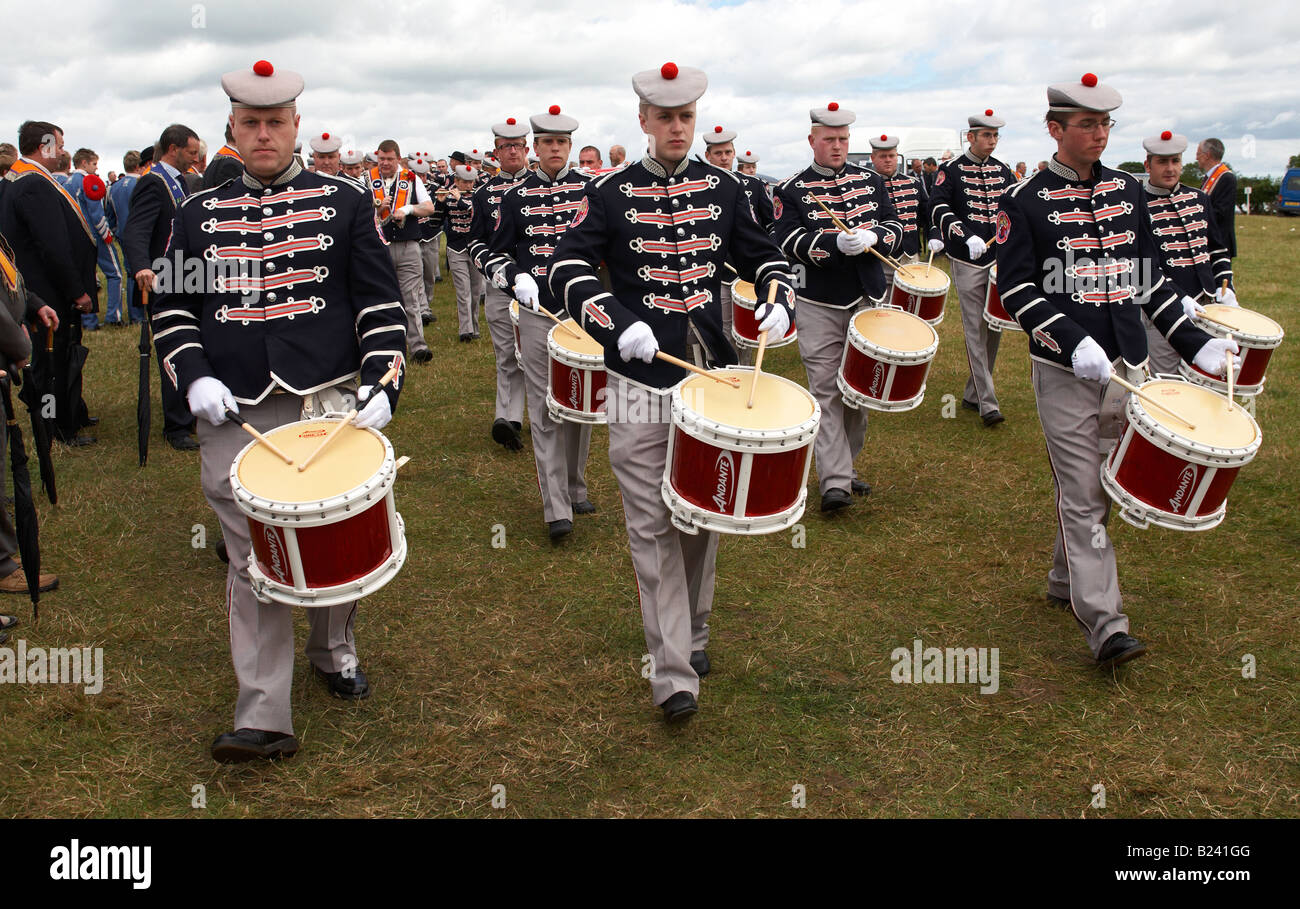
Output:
x=226 y=164
x=1220 y=184
x=118 y=209
x=54 y=248
x=144 y=240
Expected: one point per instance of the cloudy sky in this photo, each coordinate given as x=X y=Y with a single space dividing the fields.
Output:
x=435 y=76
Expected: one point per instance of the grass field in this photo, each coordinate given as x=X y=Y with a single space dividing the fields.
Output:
x=520 y=667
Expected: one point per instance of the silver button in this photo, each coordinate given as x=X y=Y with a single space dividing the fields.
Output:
x=271 y=297
x=268 y=235
x=270 y=266
x=266 y=211
x=266 y=192
x=676 y=202
x=681 y=231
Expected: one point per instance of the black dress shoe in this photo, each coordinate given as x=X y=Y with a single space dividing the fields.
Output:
x=969 y=405
x=183 y=442
x=349 y=689
x=78 y=441
x=993 y=418
x=422 y=356
x=860 y=489
x=222 y=554
x=466 y=338
x=506 y=432
x=90 y=421
x=700 y=662
x=427 y=317
x=1119 y=648
x=251 y=744
x=1058 y=602
x=584 y=507
x=681 y=706
x=475 y=336
x=559 y=529
x=835 y=499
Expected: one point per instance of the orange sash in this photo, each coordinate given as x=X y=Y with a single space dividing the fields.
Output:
x=1212 y=178
x=403 y=193
x=9 y=270
x=229 y=153
x=21 y=167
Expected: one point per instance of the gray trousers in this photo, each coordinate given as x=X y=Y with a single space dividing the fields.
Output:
x=429 y=268
x=675 y=571
x=981 y=341
x=559 y=447
x=823 y=332
x=261 y=635
x=510 y=378
x=410 y=278
x=462 y=270
x=1081 y=422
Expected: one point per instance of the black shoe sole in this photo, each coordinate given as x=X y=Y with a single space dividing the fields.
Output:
x=507 y=435
x=681 y=715
x=1118 y=659
x=240 y=754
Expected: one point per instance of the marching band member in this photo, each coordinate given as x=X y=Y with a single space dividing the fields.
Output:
x=963 y=204
x=906 y=192
x=419 y=165
x=456 y=216
x=333 y=319
x=353 y=164
x=397 y=193
x=841 y=277
x=1087 y=225
x=1193 y=252
x=747 y=164
x=531 y=220
x=512 y=150
x=325 y=153
x=663 y=226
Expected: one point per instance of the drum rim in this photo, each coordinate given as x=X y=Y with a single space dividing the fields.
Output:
x=739 y=298
x=900 y=357
x=777 y=439
x=1151 y=514
x=903 y=285
x=338 y=593
x=588 y=361
x=1158 y=433
x=1246 y=338
x=1190 y=374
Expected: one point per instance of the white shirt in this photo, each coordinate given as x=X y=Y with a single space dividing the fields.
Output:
x=418 y=195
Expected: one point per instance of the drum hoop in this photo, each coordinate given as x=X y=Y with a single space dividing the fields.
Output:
x=870 y=348
x=742 y=300
x=1161 y=436
x=1244 y=338
x=572 y=358
x=700 y=427
x=1188 y=374
x=916 y=291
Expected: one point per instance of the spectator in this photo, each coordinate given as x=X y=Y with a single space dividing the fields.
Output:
x=86 y=164
x=589 y=158
x=1220 y=184
x=617 y=155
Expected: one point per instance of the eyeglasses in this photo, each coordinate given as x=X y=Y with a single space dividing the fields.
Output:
x=1089 y=125
x=516 y=145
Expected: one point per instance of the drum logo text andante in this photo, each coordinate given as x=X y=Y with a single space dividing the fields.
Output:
x=275 y=552
x=575 y=390
x=877 y=380
x=1186 y=480
x=725 y=469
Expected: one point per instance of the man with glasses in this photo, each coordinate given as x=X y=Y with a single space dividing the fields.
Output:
x=512 y=153
x=963 y=206
x=1077 y=266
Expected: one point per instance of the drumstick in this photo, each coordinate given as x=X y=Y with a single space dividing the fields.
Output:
x=352 y=415
x=1211 y=317
x=556 y=320
x=236 y=418
x=732 y=381
x=929 y=262
x=762 y=346
x=1228 y=365
x=1150 y=400
x=892 y=263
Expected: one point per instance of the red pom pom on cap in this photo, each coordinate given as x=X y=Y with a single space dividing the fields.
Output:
x=884 y=138
x=554 y=109
x=94 y=187
x=510 y=121
x=263 y=68
x=324 y=135
x=717 y=129
x=834 y=105
x=668 y=70
x=1089 y=80
x=1166 y=135
x=748 y=152
x=989 y=112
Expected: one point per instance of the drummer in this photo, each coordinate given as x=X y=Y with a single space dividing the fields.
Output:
x=841 y=277
x=664 y=226
x=908 y=195
x=1193 y=252
x=1083 y=329
x=531 y=219
x=963 y=204
x=273 y=357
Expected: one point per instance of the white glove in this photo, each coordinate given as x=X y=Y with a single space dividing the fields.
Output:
x=1226 y=296
x=977 y=248
x=1191 y=307
x=637 y=340
x=377 y=413
x=1212 y=358
x=209 y=398
x=526 y=291
x=869 y=238
x=936 y=246
x=1090 y=362
x=773 y=319
x=850 y=243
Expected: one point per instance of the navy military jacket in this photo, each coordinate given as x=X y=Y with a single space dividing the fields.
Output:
x=964 y=204
x=1192 y=248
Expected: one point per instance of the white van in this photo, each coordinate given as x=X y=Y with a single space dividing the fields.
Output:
x=913 y=142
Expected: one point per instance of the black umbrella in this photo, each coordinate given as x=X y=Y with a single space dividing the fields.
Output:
x=29 y=395
x=143 y=404
x=29 y=544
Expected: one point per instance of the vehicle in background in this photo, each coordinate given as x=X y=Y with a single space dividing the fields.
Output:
x=1288 y=194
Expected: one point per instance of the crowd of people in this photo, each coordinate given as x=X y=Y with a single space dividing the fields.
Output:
x=640 y=254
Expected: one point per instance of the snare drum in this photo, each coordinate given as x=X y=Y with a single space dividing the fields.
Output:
x=886 y=360
x=1257 y=335
x=744 y=326
x=735 y=469
x=575 y=381
x=921 y=291
x=994 y=312
x=1163 y=473
x=326 y=535
x=514 y=323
